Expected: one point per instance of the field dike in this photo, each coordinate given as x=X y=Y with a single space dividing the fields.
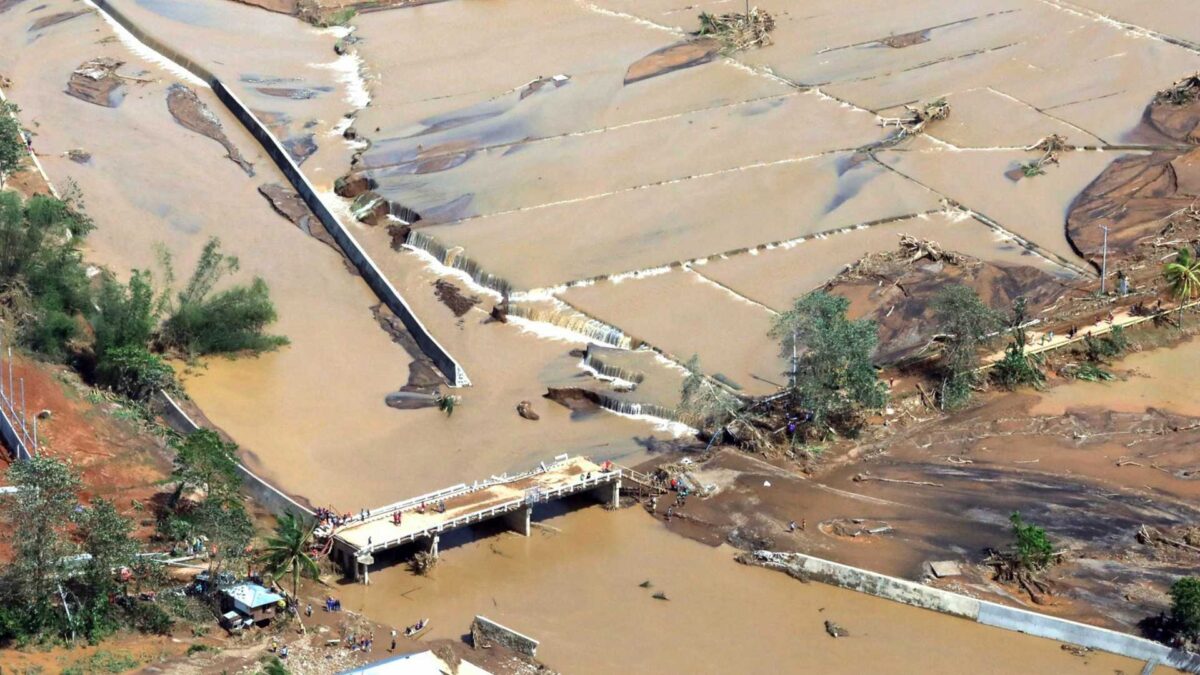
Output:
x=984 y=612
x=620 y=375
x=559 y=314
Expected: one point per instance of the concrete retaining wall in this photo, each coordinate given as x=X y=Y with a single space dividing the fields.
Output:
x=345 y=240
x=980 y=611
x=484 y=631
x=263 y=492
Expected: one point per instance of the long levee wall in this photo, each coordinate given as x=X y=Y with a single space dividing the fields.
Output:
x=345 y=240
x=979 y=611
x=263 y=492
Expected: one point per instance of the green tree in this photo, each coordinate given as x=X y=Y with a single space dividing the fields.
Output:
x=227 y=527
x=39 y=515
x=105 y=535
x=834 y=376
x=1183 y=277
x=1031 y=546
x=287 y=552
x=1185 y=606
x=965 y=323
x=43 y=281
x=12 y=143
x=125 y=316
x=205 y=462
x=205 y=321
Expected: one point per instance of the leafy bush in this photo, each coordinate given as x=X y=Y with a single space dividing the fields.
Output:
x=1032 y=547
x=1100 y=350
x=134 y=372
x=1185 y=606
x=148 y=617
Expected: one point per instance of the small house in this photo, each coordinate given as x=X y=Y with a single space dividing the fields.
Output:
x=255 y=602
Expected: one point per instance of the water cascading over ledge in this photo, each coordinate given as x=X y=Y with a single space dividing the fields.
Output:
x=453 y=257
x=558 y=313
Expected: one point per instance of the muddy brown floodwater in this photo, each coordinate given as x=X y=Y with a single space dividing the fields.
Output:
x=1154 y=382
x=575 y=585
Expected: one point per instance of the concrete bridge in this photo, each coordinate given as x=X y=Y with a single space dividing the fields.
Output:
x=510 y=498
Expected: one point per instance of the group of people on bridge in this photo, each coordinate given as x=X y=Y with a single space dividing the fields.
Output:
x=439 y=506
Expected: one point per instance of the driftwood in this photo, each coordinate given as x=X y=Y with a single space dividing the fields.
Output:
x=1008 y=567
x=1050 y=147
x=1150 y=536
x=916 y=120
x=1182 y=92
x=738 y=30
x=858 y=478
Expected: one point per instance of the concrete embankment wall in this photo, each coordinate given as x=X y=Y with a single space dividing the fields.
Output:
x=484 y=631
x=345 y=240
x=263 y=492
x=980 y=611
x=12 y=439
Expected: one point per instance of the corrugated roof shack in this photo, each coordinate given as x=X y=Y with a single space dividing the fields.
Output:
x=252 y=600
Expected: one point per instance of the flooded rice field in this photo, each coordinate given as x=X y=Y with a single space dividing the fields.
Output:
x=581 y=174
x=323 y=397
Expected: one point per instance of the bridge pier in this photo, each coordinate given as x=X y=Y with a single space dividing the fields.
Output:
x=608 y=494
x=433 y=545
x=518 y=521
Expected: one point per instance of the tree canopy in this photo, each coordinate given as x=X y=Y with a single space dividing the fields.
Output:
x=965 y=323
x=834 y=376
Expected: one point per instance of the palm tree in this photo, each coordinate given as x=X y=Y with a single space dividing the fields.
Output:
x=1183 y=276
x=287 y=551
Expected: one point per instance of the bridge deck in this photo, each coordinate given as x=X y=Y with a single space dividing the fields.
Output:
x=466 y=504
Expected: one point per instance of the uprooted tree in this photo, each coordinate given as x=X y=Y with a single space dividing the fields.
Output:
x=1030 y=554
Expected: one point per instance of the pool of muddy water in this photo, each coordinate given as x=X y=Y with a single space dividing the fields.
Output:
x=584 y=583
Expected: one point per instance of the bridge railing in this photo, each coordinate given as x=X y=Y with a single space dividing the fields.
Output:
x=531 y=496
x=385 y=513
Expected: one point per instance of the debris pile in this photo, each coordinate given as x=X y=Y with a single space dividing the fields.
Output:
x=1050 y=146
x=738 y=31
x=1182 y=92
x=96 y=81
x=888 y=263
x=915 y=120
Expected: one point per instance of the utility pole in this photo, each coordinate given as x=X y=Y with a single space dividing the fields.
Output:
x=1104 y=260
x=794 y=360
